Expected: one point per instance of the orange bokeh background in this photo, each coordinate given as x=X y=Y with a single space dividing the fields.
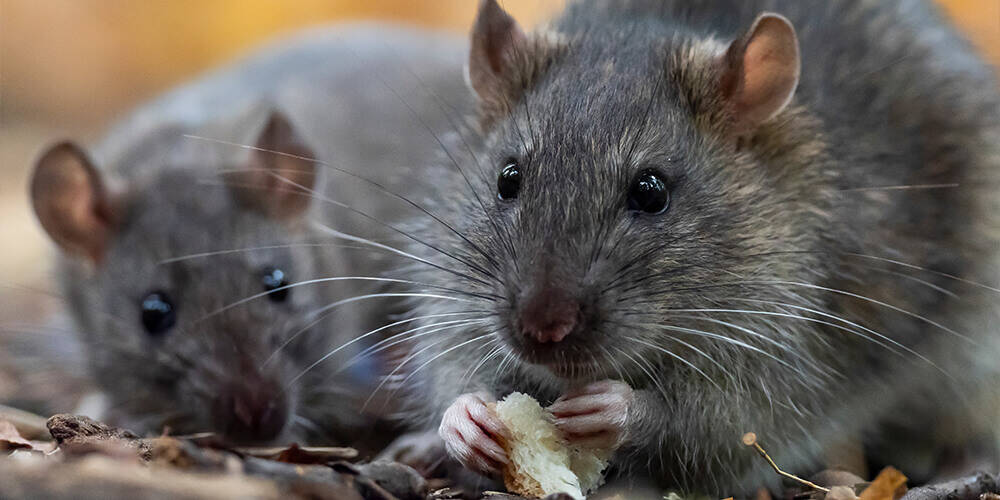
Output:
x=69 y=67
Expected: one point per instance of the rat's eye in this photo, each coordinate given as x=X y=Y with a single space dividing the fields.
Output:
x=275 y=282
x=158 y=313
x=509 y=181
x=649 y=193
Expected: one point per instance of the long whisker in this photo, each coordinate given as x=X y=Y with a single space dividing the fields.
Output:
x=351 y=237
x=438 y=355
x=490 y=355
x=900 y=187
x=355 y=358
x=396 y=339
x=651 y=298
x=314 y=281
x=716 y=336
x=251 y=249
x=758 y=335
x=678 y=358
x=926 y=270
x=818 y=321
x=358 y=338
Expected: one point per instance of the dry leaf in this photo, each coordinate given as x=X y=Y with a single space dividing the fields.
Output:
x=890 y=484
x=10 y=439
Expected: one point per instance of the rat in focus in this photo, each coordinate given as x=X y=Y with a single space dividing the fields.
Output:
x=181 y=248
x=683 y=221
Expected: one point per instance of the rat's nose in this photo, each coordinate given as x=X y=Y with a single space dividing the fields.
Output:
x=549 y=316
x=249 y=414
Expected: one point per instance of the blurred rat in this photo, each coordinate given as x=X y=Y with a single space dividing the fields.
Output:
x=683 y=221
x=184 y=233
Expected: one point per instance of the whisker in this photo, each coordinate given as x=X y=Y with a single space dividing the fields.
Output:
x=818 y=321
x=759 y=335
x=395 y=339
x=490 y=355
x=716 y=336
x=359 y=338
x=438 y=355
x=396 y=251
x=678 y=358
x=900 y=188
x=326 y=280
x=251 y=249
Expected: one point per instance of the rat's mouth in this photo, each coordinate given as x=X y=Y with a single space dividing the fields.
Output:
x=563 y=359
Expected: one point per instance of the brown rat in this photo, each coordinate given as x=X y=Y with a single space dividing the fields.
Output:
x=683 y=221
x=180 y=255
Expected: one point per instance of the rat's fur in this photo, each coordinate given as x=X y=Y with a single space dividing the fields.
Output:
x=784 y=224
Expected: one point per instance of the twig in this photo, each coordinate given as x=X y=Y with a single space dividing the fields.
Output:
x=750 y=439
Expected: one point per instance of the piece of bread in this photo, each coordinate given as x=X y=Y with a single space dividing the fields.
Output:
x=541 y=463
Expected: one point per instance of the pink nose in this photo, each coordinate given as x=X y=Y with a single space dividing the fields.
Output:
x=549 y=317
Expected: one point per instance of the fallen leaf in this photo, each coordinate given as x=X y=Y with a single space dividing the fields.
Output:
x=886 y=486
x=10 y=439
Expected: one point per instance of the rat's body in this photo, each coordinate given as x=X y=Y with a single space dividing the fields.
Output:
x=674 y=212
x=156 y=198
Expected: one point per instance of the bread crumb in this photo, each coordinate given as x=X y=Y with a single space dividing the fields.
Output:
x=541 y=463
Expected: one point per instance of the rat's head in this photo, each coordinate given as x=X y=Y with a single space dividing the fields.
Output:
x=179 y=282
x=637 y=176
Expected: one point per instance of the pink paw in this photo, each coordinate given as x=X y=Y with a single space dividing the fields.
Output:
x=594 y=416
x=471 y=432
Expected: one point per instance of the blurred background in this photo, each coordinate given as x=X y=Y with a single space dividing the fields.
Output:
x=69 y=68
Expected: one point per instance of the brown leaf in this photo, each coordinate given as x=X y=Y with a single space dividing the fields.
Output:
x=10 y=439
x=890 y=484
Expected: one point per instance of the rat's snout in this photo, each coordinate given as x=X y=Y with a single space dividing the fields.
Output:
x=251 y=411
x=549 y=315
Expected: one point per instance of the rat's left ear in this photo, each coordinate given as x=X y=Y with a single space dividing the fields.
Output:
x=760 y=72
x=280 y=173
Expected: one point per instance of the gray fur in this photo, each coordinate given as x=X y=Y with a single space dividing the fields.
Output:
x=890 y=95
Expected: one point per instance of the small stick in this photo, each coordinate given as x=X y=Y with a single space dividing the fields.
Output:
x=750 y=439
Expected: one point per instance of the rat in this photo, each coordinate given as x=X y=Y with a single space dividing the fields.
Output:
x=189 y=237
x=679 y=222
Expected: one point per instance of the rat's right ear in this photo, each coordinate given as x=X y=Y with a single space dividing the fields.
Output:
x=71 y=202
x=280 y=174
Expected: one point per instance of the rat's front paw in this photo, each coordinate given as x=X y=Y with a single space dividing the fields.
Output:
x=595 y=415
x=471 y=431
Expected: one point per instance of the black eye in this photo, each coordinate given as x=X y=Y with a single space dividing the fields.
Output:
x=158 y=313
x=509 y=181
x=275 y=281
x=649 y=193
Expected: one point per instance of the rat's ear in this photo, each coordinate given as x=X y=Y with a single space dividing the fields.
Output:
x=760 y=71
x=71 y=202
x=280 y=173
x=503 y=60
x=496 y=41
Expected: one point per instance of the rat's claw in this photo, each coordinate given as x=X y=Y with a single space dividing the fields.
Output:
x=594 y=416
x=470 y=432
